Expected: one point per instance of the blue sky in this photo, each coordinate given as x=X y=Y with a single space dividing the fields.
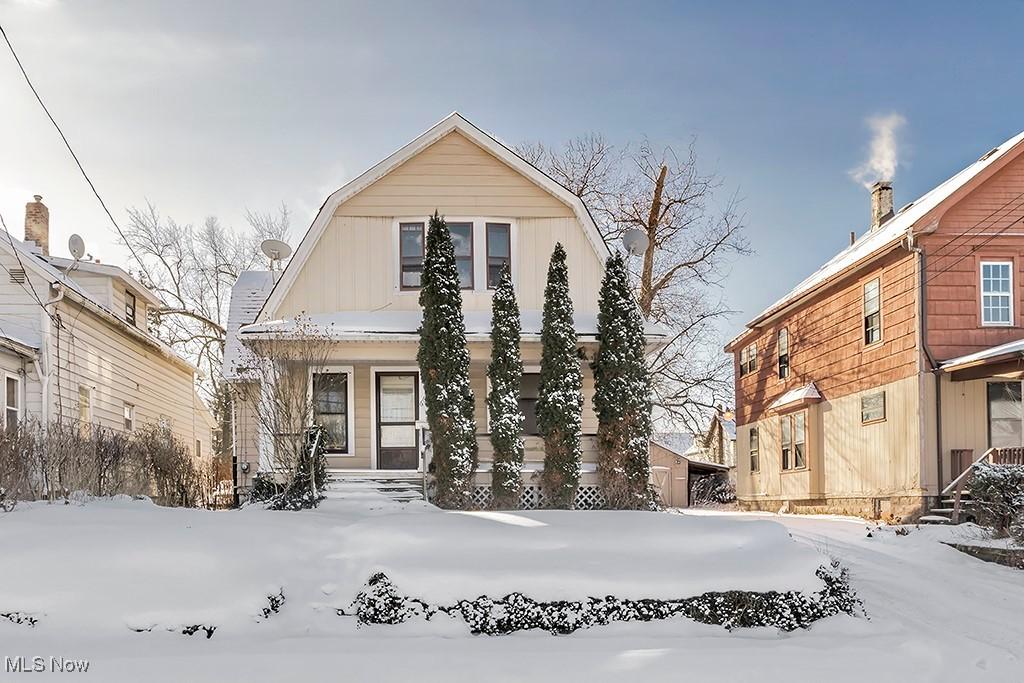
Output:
x=213 y=108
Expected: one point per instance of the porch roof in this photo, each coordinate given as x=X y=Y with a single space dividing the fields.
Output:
x=1003 y=359
x=404 y=325
x=808 y=393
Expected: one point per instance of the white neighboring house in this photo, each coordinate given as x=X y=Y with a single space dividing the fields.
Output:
x=75 y=344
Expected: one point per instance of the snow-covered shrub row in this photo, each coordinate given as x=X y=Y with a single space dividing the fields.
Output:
x=63 y=457
x=20 y=618
x=998 y=495
x=382 y=603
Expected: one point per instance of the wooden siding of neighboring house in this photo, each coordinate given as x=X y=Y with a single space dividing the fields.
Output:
x=985 y=225
x=122 y=369
x=826 y=341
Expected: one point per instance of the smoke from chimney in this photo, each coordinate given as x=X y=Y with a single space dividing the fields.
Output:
x=37 y=224
x=884 y=159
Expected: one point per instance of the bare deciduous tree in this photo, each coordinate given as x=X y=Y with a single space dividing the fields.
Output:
x=277 y=372
x=679 y=279
x=193 y=269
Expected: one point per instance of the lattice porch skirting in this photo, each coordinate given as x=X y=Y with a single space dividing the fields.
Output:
x=588 y=497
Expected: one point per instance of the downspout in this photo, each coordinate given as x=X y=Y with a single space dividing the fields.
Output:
x=933 y=367
x=43 y=368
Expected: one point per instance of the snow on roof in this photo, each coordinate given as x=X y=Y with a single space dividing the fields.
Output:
x=678 y=442
x=893 y=230
x=992 y=352
x=383 y=324
x=808 y=392
x=69 y=266
x=247 y=296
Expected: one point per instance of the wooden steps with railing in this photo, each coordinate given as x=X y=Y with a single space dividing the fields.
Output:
x=400 y=486
x=955 y=502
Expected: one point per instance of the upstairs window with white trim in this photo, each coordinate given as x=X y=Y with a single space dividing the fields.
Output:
x=499 y=251
x=748 y=359
x=411 y=250
x=84 y=404
x=129 y=417
x=462 y=240
x=783 y=353
x=997 y=293
x=12 y=402
x=129 y=307
x=872 y=312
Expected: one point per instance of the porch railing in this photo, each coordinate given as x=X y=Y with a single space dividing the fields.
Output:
x=994 y=456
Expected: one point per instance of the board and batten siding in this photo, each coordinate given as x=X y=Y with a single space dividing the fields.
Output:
x=119 y=369
x=846 y=458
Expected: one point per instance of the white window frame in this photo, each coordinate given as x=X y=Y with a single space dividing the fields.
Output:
x=754 y=452
x=89 y=394
x=421 y=409
x=19 y=395
x=866 y=420
x=479 y=249
x=782 y=334
x=864 y=312
x=982 y=294
x=128 y=415
x=350 y=399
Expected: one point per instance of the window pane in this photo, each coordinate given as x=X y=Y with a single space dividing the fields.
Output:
x=12 y=392
x=462 y=238
x=787 y=435
x=397 y=398
x=494 y=267
x=529 y=391
x=412 y=273
x=498 y=242
x=1004 y=414
x=798 y=428
x=798 y=451
x=337 y=431
x=330 y=407
x=465 y=266
x=412 y=240
x=783 y=342
x=872 y=407
x=397 y=436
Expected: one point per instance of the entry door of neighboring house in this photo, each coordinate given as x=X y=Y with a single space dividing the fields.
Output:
x=397 y=438
x=1005 y=415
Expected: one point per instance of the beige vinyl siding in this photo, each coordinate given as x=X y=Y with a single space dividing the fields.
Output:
x=964 y=419
x=22 y=314
x=846 y=459
x=119 y=368
x=247 y=437
x=31 y=388
x=455 y=177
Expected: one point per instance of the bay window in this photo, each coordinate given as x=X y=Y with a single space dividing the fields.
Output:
x=794 y=441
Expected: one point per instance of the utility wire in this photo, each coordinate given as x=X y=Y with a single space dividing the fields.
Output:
x=72 y=152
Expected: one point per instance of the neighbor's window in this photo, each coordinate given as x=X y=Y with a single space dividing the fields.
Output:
x=1005 y=417
x=748 y=359
x=410 y=245
x=84 y=404
x=794 y=438
x=330 y=408
x=783 y=353
x=996 y=293
x=529 y=392
x=462 y=240
x=12 y=402
x=872 y=407
x=129 y=417
x=199 y=448
x=872 y=312
x=499 y=251
x=755 y=462
x=129 y=307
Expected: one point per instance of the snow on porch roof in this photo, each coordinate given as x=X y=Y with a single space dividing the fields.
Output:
x=979 y=357
x=384 y=325
x=808 y=392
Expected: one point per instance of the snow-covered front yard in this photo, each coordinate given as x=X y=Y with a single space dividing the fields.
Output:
x=115 y=582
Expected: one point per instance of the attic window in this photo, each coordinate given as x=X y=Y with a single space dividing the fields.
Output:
x=129 y=307
x=17 y=276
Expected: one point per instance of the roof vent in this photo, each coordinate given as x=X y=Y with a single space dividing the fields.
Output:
x=989 y=153
x=17 y=276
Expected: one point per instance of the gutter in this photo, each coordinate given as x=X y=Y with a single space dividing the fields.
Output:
x=934 y=368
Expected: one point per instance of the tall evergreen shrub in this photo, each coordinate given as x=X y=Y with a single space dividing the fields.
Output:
x=506 y=375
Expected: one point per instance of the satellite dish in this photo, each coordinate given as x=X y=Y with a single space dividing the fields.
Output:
x=635 y=241
x=76 y=245
x=276 y=250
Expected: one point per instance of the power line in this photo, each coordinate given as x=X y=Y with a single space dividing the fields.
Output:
x=72 y=152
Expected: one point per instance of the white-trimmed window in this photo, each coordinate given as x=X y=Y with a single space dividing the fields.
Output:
x=748 y=359
x=499 y=251
x=997 y=293
x=794 y=441
x=411 y=248
x=333 y=397
x=872 y=312
x=483 y=245
x=783 y=353
x=755 y=447
x=129 y=417
x=12 y=401
x=129 y=307
x=462 y=241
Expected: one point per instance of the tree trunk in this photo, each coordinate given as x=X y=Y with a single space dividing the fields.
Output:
x=647 y=276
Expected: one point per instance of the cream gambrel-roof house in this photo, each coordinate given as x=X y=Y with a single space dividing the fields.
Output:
x=355 y=275
x=101 y=364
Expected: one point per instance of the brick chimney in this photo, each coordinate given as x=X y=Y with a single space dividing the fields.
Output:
x=37 y=224
x=881 y=203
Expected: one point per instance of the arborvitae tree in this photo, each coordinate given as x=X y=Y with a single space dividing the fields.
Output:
x=560 y=402
x=506 y=375
x=444 y=368
x=622 y=394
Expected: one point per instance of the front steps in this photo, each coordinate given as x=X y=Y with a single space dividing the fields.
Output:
x=401 y=487
x=944 y=513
